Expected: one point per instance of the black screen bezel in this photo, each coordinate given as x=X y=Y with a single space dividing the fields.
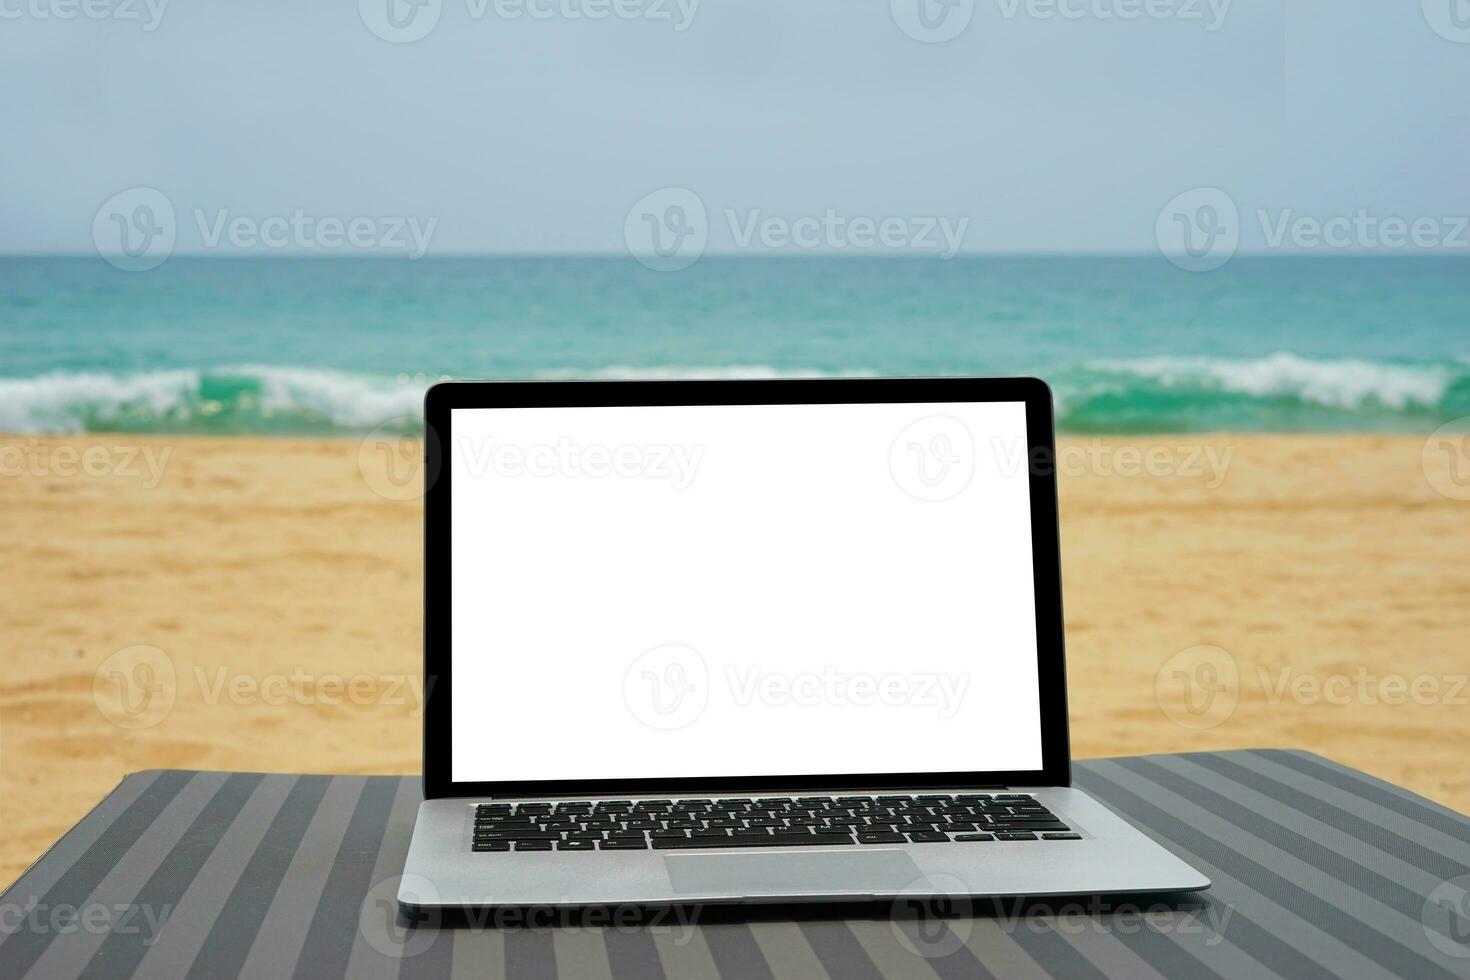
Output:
x=442 y=398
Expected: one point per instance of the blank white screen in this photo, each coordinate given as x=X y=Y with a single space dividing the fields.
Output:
x=741 y=590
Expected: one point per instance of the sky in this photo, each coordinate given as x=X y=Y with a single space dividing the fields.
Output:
x=535 y=126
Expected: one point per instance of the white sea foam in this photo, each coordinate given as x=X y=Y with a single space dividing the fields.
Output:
x=351 y=401
x=1341 y=384
x=265 y=397
x=68 y=402
x=737 y=372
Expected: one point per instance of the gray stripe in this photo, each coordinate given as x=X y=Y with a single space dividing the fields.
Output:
x=840 y=953
x=1154 y=942
x=581 y=953
x=1361 y=930
x=684 y=955
x=1374 y=833
x=1390 y=797
x=46 y=870
x=1055 y=954
x=199 y=908
x=1262 y=795
x=892 y=957
x=224 y=919
x=333 y=928
x=437 y=959
x=632 y=953
x=1173 y=953
x=1180 y=936
x=1329 y=959
x=1405 y=836
x=80 y=859
x=114 y=894
x=529 y=954
x=939 y=942
x=1301 y=847
x=479 y=954
x=365 y=961
x=998 y=952
x=787 y=950
x=1110 y=956
x=276 y=948
x=735 y=952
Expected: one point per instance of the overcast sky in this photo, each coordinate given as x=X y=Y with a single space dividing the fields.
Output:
x=538 y=134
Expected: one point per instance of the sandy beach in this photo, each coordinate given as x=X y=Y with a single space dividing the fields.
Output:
x=254 y=604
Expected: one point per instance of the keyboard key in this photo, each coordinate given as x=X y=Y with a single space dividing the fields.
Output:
x=974 y=837
x=519 y=835
x=883 y=838
x=577 y=845
x=624 y=845
x=767 y=840
x=1061 y=836
x=1053 y=825
x=491 y=845
x=1006 y=835
x=668 y=834
x=928 y=837
x=533 y=845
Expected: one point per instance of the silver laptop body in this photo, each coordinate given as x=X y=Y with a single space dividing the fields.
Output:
x=747 y=642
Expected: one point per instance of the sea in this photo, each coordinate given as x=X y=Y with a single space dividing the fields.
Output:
x=338 y=346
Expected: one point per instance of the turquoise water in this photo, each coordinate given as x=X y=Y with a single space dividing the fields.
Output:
x=326 y=346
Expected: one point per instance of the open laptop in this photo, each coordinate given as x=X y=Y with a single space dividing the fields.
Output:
x=750 y=641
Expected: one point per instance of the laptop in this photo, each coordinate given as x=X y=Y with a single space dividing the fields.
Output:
x=692 y=642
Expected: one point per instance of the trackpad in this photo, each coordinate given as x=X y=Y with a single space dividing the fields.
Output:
x=881 y=872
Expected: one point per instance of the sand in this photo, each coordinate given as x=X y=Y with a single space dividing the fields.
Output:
x=1316 y=585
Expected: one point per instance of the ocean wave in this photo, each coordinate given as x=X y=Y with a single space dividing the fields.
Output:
x=1282 y=392
x=245 y=399
x=266 y=399
x=1336 y=384
x=737 y=372
x=70 y=403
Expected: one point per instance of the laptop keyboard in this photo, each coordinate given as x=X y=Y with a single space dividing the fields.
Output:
x=805 y=821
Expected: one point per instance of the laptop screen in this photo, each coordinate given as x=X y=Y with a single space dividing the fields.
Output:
x=742 y=590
